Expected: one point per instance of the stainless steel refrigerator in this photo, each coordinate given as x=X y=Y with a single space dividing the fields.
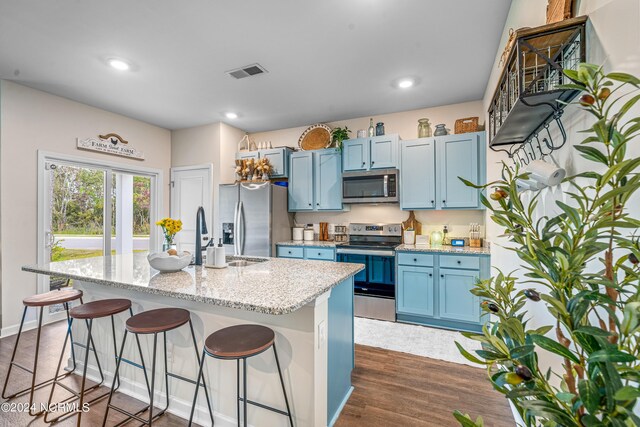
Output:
x=253 y=218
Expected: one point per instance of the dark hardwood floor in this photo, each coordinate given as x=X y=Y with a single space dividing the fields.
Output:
x=391 y=389
x=398 y=389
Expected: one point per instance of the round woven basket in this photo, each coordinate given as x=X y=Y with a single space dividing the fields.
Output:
x=315 y=137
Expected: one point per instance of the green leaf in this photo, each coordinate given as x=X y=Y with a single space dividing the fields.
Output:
x=592 y=153
x=544 y=409
x=554 y=347
x=592 y=330
x=627 y=393
x=589 y=394
x=465 y=420
x=470 y=357
x=566 y=397
x=612 y=355
x=591 y=421
x=624 y=78
x=521 y=351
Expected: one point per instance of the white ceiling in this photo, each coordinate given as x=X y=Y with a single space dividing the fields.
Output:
x=327 y=60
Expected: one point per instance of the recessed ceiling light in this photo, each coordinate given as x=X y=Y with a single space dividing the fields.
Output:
x=231 y=115
x=119 y=64
x=405 y=83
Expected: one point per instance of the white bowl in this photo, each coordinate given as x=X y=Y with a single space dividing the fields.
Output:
x=165 y=263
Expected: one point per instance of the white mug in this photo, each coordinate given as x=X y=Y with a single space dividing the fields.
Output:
x=545 y=173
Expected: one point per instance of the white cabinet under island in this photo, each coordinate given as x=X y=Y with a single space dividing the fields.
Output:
x=309 y=305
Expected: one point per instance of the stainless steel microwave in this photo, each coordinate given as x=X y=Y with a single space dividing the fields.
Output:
x=377 y=186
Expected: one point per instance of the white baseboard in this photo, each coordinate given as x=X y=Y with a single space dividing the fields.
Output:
x=178 y=407
x=13 y=329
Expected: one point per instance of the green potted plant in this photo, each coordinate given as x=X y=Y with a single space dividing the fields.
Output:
x=338 y=135
x=583 y=264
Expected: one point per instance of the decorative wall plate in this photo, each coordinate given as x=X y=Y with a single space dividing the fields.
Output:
x=316 y=137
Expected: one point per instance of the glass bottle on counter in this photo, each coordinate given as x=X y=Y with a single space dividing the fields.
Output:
x=372 y=130
x=424 y=128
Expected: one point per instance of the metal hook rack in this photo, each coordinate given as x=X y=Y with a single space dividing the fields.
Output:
x=538 y=146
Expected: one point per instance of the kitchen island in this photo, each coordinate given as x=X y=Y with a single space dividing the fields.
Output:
x=309 y=304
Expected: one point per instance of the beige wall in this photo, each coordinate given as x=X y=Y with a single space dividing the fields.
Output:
x=33 y=120
x=208 y=144
x=613 y=40
x=406 y=125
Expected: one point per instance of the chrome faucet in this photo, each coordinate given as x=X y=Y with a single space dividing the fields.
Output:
x=201 y=229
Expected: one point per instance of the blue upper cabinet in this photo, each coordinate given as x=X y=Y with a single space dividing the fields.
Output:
x=328 y=180
x=383 y=152
x=460 y=156
x=278 y=158
x=418 y=174
x=378 y=152
x=246 y=155
x=355 y=155
x=430 y=167
x=301 y=181
x=315 y=181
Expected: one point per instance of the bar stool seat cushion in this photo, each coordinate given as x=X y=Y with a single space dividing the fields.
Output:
x=100 y=308
x=52 y=298
x=239 y=341
x=158 y=320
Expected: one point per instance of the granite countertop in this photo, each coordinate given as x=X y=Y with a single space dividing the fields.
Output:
x=314 y=243
x=277 y=286
x=445 y=249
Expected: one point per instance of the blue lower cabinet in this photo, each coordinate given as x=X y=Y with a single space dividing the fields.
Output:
x=456 y=302
x=415 y=291
x=306 y=252
x=290 y=252
x=435 y=289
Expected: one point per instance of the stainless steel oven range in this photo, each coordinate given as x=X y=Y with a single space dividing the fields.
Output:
x=375 y=287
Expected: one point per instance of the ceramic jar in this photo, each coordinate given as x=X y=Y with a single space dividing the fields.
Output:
x=379 y=129
x=440 y=130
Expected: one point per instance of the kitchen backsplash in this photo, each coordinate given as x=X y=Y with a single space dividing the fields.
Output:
x=457 y=221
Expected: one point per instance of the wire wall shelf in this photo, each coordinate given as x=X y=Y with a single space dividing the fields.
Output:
x=529 y=97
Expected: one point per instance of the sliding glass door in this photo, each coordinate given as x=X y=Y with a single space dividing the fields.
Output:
x=91 y=210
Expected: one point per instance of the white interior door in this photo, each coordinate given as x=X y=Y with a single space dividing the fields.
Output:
x=191 y=187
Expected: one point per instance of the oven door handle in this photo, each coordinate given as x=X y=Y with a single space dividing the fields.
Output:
x=373 y=252
x=386 y=185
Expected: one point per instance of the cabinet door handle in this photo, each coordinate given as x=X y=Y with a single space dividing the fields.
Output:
x=442 y=276
x=372 y=163
x=289 y=252
x=433 y=202
x=319 y=254
x=363 y=163
x=430 y=274
x=317 y=204
x=415 y=260
x=459 y=262
x=309 y=204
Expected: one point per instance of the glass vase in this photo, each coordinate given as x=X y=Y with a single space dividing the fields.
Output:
x=424 y=128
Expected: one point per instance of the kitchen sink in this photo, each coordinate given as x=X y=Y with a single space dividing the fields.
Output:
x=245 y=262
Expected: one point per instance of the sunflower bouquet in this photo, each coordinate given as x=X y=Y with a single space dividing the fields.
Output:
x=170 y=227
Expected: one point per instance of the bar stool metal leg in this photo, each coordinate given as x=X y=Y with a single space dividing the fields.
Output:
x=204 y=384
x=244 y=390
x=34 y=370
x=284 y=392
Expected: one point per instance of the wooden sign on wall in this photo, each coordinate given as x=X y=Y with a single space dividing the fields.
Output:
x=110 y=143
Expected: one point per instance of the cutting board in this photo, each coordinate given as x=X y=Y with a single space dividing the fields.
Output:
x=411 y=222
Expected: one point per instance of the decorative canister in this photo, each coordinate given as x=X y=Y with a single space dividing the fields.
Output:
x=379 y=129
x=424 y=128
x=362 y=133
x=440 y=130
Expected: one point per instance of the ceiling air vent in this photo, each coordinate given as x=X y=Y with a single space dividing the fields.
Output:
x=247 y=71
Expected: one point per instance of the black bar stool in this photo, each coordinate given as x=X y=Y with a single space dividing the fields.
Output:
x=64 y=296
x=239 y=343
x=154 y=322
x=89 y=312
